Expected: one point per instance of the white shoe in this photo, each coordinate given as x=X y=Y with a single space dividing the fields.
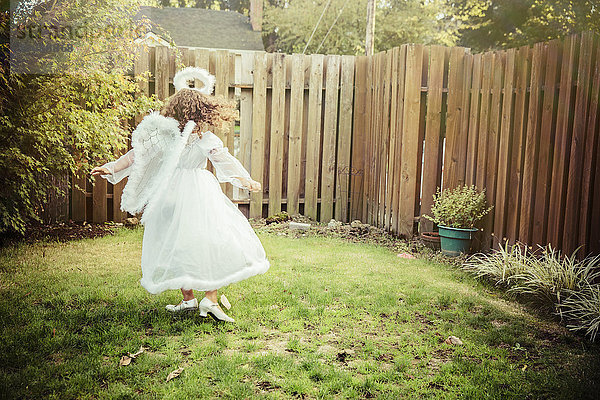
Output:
x=190 y=305
x=208 y=307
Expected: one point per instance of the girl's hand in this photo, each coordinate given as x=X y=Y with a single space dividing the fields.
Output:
x=251 y=185
x=100 y=171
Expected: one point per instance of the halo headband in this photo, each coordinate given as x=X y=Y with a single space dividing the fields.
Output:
x=181 y=79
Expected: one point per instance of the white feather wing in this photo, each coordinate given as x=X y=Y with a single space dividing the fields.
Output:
x=157 y=143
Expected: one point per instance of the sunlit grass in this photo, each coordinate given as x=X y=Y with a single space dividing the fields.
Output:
x=330 y=319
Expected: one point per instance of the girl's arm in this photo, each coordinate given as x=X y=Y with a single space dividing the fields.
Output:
x=115 y=171
x=227 y=167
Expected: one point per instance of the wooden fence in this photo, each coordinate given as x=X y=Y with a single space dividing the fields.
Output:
x=372 y=138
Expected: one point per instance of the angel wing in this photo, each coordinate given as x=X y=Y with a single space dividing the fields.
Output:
x=157 y=143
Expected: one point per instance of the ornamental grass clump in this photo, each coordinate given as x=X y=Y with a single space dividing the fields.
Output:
x=461 y=207
x=582 y=310
x=563 y=283
x=550 y=277
x=501 y=266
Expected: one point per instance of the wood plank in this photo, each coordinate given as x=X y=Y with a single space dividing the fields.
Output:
x=433 y=135
x=315 y=101
x=464 y=118
x=185 y=57
x=491 y=177
x=368 y=140
x=295 y=133
x=410 y=137
x=451 y=177
x=474 y=113
x=307 y=62
x=99 y=214
x=117 y=214
x=396 y=199
x=532 y=143
x=357 y=168
x=546 y=145
x=370 y=143
x=259 y=104
x=222 y=90
x=161 y=80
x=421 y=139
x=590 y=180
x=78 y=197
x=373 y=135
x=574 y=179
x=595 y=217
x=141 y=66
x=562 y=144
x=173 y=67
x=246 y=74
x=202 y=60
x=277 y=134
x=504 y=148
x=342 y=186
x=389 y=218
x=385 y=138
x=483 y=123
x=522 y=72
x=379 y=146
x=378 y=135
x=286 y=129
x=329 y=138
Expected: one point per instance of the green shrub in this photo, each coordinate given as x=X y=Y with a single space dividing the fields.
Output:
x=461 y=207
x=67 y=119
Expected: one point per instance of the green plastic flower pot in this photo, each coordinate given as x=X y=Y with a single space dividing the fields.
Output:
x=455 y=241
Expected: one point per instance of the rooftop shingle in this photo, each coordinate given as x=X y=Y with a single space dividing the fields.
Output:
x=196 y=27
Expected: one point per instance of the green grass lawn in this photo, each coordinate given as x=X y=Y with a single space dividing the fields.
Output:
x=330 y=319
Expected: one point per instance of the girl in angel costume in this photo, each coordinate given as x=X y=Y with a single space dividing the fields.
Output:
x=194 y=236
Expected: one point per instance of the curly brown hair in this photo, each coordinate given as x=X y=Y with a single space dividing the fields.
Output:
x=191 y=105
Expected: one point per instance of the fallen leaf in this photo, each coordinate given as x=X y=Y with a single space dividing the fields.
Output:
x=174 y=374
x=125 y=360
x=140 y=351
x=453 y=340
x=524 y=367
x=225 y=302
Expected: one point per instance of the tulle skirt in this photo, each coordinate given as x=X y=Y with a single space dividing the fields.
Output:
x=196 y=238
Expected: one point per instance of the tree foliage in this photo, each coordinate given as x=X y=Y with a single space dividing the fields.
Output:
x=64 y=112
x=513 y=23
x=288 y=25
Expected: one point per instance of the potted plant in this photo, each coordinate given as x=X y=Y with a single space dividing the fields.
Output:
x=456 y=212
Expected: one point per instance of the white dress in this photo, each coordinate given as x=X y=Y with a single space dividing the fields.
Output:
x=195 y=237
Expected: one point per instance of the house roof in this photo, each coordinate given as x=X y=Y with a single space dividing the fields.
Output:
x=197 y=27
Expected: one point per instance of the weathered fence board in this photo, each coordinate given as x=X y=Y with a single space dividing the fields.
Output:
x=328 y=147
x=259 y=104
x=295 y=134
x=277 y=135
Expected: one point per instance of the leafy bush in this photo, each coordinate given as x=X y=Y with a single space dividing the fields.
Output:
x=63 y=121
x=461 y=207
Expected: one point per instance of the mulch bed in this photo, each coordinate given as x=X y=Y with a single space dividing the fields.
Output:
x=60 y=232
